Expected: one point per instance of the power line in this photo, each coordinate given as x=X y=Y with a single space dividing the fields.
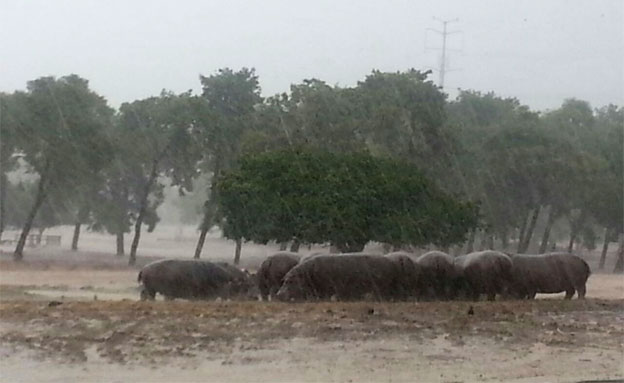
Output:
x=444 y=33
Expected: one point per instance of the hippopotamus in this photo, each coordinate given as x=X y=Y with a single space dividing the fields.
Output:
x=271 y=273
x=549 y=274
x=242 y=283
x=184 y=278
x=410 y=283
x=438 y=274
x=483 y=272
x=311 y=255
x=343 y=277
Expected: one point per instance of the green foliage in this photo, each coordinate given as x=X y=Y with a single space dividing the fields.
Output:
x=607 y=200
x=225 y=111
x=346 y=199
x=154 y=138
x=59 y=127
x=492 y=140
x=403 y=115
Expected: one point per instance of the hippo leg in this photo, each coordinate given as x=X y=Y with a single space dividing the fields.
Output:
x=569 y=293
x=581 y=292
x=147 y=294
x=273 y=292
x=531 y=295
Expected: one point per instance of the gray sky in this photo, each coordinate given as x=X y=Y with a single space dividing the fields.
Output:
x=538 y=51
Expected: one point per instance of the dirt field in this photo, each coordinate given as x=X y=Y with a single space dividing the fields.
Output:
x=75 y=317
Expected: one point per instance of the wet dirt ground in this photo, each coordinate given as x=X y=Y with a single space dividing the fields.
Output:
x=75 y=317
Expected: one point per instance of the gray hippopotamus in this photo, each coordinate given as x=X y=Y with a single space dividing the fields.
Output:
x=483 y=272
x=410 y=283
x=343 y=277
x=243 y=283
x=185 y=278
x=548 y=273
x=438 y=274
x=271 y=273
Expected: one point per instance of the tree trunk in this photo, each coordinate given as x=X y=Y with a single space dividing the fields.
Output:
x=202 y=237
x=572 y=240
x=207 y=221
x=120 y=243
x=294 y=246
x=471 y=240
x=3 y=183
x=575 y=226
x=504 y=239
x=38 y=237
x=283 y=246
x=605 y=247
x=350 y=247
x=529 y=230
x=546 y=236
x=483 y=241
x=209 y=211
x=74 y=245
x=237 y=251
x=522 y=233
x=18 y=255
x=619 y=264
x=141 y=216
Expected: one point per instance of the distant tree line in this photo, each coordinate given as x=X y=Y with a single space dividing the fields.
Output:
x=107 y=168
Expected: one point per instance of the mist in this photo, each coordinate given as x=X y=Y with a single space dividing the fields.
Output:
x=540 y=53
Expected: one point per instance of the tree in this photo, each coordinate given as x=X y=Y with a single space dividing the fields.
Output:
x=225 y=111
x=157 y=133
x=59 y=122
x=347 y=199
x=118 y=200
x=402 y=115
x=606 y=202
x=10 y=105
x=480 y=129
x=574 y=123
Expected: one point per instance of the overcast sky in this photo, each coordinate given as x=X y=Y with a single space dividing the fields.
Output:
x=538 y=51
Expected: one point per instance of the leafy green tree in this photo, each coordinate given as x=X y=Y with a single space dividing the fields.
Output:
x=403 y=115
x=58 y=127
x=480 y=128
x=347 y=199
x=10 y=105
x=225 y=111
x=156 y=139
x=606 y=202
x=574 y=122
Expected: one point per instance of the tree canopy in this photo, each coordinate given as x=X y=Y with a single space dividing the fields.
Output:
x=346 y=199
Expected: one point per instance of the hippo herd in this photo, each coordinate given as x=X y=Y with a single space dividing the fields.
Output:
x=395 y=276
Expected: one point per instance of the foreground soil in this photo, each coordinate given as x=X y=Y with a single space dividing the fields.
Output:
x=74 y=316
x=328 y=341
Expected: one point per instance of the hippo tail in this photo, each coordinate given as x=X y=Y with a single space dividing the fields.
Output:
x=140 y=276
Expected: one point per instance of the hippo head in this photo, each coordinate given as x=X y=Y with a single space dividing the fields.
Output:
x=292 y=290
x=242 y=289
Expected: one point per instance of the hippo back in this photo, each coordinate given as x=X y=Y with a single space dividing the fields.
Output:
x=438 y=273
x=548 y=273
x=272 y=271
x=177 y=278
x=410 y=278
x=347 y=276
x=487 y=272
